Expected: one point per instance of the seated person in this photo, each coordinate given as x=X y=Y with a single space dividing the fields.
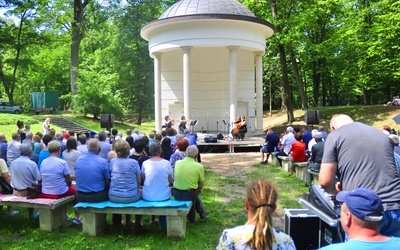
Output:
x=189 y=182
x=25 y=173
x=125 y=180
x=258 y=232
x=92 y=174
x=5 y=174
x=297 y=151
x=314 y=162
x=271 y=143
x=361 y=216
x=56 y=178
x=157 y=177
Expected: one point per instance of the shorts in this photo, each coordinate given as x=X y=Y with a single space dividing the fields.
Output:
x=266 y=149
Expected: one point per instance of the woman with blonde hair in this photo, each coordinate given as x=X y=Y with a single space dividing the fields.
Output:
x=258 y=232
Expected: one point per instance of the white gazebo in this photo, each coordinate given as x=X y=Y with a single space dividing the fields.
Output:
x=208 y=63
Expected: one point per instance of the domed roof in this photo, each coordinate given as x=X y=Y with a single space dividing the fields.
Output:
x=201 y=7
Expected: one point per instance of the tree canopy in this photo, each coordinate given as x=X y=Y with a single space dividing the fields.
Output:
x=326 y=52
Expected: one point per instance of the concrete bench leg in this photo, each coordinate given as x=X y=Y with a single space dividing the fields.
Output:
x=286 y=165
x=274 y=160
x=176 y=226
x=93 y=224
x=49 y=219
x=301 y=173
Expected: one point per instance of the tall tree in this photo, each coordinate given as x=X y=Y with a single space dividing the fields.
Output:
x=77 y=33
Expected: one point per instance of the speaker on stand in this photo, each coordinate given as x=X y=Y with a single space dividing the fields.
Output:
x=107 y=121
x=312 y=117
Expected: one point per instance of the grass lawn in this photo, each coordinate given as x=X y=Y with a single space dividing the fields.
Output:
x=20 y=233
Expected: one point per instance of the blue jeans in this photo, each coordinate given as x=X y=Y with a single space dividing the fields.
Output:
x=390 y=225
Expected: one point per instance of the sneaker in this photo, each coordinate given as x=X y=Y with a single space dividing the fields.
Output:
x=35 y=216
x=13 y=213
x=67 y=217
x=77 y=221
x=204 y=214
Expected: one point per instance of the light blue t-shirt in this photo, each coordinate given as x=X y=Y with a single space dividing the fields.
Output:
x=53 y=171
x=392 y=243
x=124 y=173
x=91 y=171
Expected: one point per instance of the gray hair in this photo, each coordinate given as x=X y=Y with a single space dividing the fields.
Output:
x=53 y=146
x=289 y=130
x=94 y=146
x=155 y=149
x=192 y=151
x=29 y=135
x=25 y=149
x=59 y=136
x=102 y=136
x=136 y=131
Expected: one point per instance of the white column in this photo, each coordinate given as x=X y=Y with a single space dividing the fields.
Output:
x=259 y=92
x=157 y=90
x=233 y=81
x=186 y=81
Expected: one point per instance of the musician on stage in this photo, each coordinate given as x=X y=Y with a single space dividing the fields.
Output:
x=168 y=122
x=183 y=124
x=241 y=128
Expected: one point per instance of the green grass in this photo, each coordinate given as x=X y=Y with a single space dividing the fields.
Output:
x=20 y=233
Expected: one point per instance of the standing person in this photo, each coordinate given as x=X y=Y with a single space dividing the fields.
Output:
x=258 y=232
x=13 y=148
x=360 y=216
x=92 y=174
x=271 y=143
x=70 y=155
x=349 y=154
x=21 y=130
x=125 y=180
x=192 y=138
x=189 y=182
x=314 y=162
x=46 y=126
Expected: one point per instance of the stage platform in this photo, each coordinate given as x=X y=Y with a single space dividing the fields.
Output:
x=252 y=142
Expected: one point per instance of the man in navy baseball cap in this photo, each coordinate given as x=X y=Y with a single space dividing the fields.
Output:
x=361 y=215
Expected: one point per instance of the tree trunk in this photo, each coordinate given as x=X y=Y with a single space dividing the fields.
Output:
x=287 y=93
x=304 y=104
x=78 y=30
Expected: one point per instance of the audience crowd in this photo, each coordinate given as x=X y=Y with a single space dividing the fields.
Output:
x=103 y=166
x=357 y=162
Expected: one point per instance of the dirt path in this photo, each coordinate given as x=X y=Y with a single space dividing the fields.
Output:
x=235 y=165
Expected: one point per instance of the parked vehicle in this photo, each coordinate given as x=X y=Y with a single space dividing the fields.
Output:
x=5 y=107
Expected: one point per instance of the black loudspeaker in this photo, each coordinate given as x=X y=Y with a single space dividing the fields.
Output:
x=107 y=121
x=210 y=138
x=312 y=117
x=303 y=226
x=220 y=136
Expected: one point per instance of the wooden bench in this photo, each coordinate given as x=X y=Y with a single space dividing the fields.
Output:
x=300 y=168
x=315 y=176
x=286 y=163
x=94 y=214
x=274 y=159
x=51 y=211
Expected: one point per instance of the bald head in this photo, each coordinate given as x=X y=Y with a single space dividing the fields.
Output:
x=340 y=120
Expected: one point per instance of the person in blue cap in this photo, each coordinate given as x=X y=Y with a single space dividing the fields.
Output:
x=361 y=215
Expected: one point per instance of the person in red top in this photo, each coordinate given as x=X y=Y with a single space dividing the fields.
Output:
x=297 y=151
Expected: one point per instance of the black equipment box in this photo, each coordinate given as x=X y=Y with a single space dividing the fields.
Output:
x=303 y=226
x=211 y=138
